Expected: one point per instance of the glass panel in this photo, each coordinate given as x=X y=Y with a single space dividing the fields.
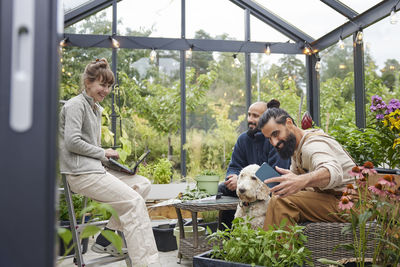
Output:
x=360 y=5
x=381 y=48
x=280 y=77
x=98 y=23
x=218 y=19
x=158 y=18
x=315 y=21
x=72 y=4
x=262 y=32
x=336 y=85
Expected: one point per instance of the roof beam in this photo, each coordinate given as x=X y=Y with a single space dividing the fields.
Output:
x=274 y=21
x=81 y=12
x=341 y=8
x=132 y=42
x=371 y=16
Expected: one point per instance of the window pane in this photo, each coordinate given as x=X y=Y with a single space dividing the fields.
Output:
x=72 y=4
x=98 y=23
x=217 y=18
x=312 y=17
x=262 y=32
x=360 y=5
x=162 y=18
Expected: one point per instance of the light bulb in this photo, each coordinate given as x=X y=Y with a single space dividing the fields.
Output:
x=63 y=42
x=341 y=44
x=359 y=37
x=393 y=17
x=307 y=51
x=268 y=50
x=115 y=43
x=236 y=61
x=153 y=55
x=189 y=53
x=318 y=66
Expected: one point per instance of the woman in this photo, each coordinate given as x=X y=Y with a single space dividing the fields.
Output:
x=81 y=159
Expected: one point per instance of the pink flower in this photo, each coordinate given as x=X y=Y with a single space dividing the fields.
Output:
x=361 y=182
x=349 y=190
x=345 y=203
x=377 y=189
x=388 y=179
x=368 y=168
x=356 y=172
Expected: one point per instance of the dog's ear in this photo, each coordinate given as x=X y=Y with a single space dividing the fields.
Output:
x=262 y=192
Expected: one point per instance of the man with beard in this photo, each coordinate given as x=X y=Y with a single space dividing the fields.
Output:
x=311 y=189
x=251 y=148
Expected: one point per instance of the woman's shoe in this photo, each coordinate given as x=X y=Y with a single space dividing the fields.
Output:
x=110 y=249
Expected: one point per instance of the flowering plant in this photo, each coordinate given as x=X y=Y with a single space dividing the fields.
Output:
x=388 y=122
x=373 y=211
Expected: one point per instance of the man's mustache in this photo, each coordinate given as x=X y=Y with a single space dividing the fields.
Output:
x=251 y=123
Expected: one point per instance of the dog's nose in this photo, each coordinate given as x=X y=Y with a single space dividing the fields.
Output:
x=242 y=190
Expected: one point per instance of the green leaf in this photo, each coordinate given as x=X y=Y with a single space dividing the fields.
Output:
x=89 y=230
x=115 y=239
x=65 y=235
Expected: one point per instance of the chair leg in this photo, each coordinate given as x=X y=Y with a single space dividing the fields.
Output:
x=127 y=258
x=73 y=224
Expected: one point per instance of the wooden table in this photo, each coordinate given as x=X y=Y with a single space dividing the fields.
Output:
x=190 y=247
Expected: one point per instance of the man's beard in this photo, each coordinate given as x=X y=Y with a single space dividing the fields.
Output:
x=252 y=131
x=289 y=145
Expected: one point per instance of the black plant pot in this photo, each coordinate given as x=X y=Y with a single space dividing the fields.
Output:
x=164 y=236
x=204 y=260
x=84 y=242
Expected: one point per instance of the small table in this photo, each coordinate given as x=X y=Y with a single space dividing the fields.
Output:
x=190 y=247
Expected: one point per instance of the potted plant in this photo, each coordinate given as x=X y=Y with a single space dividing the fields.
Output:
x=208 y=181
x=243 y=246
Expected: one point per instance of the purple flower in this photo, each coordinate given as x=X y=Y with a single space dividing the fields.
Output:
x=380 y=116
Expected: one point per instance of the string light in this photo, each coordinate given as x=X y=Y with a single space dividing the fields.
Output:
x=341 y=43
x=393 y=16
x=236 y=61
x=307 y=49
x=359 y=37
x=318 y=65
x=268 y=50
x=189 y=52
x=63 y=42
x=153 y=55
x=114 y=42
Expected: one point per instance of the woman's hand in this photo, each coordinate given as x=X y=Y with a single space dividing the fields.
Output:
x=111 y=153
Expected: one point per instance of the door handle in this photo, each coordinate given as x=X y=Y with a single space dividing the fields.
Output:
x=22 y=62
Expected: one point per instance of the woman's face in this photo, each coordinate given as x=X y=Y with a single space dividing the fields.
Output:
x=98 y=90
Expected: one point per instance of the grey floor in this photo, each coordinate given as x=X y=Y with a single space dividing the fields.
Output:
x=167 y=259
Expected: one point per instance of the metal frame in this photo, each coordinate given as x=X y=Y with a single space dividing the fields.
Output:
x=356 y=22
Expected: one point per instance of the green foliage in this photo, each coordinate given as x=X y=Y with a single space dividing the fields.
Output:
x=159 y=172
x=209 y=216
x=275 y=247
x=208 y=172
x=63 y=209
x=191 y=194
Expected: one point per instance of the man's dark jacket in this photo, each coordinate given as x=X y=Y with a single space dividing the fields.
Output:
x=254 y=150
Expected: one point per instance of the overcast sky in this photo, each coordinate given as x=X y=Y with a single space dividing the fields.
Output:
x=222 y=16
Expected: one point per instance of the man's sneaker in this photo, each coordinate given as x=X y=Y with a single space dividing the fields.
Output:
x=110 y=249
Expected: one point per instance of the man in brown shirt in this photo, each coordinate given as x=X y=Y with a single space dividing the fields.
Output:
x=320 y=167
